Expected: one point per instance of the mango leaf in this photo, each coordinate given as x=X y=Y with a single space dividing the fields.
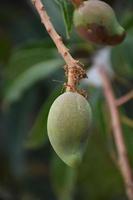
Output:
x=98 y=177
x=63 y=179
x=127 y=131
x=26 y=57
x=29 y=77
x=128 y=21
x=122 y=59
x=38 y=134
x=5 y=47
x=67 y=13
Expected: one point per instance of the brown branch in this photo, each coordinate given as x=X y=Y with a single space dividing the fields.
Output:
x=124 y=99
x=73 y=79
x=123 y=161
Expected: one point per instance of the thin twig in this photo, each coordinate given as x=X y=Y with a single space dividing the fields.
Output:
x=75 y=71
x=124 y=99
x=123 y=161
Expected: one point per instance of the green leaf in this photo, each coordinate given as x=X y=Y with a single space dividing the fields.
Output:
x=38 y=134
x=67 y=13
x=5 y=47
x=63 y=179
x=128 y=21
x=122 y=59
x=98 y=177
x=127 y=134
x=24 y=58
x=29 y=77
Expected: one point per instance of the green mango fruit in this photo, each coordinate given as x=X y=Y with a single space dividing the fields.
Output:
x=68 y=127
x=95 y=21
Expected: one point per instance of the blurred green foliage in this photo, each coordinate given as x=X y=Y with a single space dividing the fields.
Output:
x=29 y=62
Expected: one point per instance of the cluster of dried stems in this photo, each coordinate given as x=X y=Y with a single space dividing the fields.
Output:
x=75 y=73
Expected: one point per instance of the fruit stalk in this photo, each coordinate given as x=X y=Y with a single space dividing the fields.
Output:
x=71 y=63
x=123 y=161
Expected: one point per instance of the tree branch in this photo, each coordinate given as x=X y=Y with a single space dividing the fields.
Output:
x=74 y=70
x=123 y=161
x=124 y=98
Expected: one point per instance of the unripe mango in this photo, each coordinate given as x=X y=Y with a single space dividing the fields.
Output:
x=68 y=127
x=95 y=21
